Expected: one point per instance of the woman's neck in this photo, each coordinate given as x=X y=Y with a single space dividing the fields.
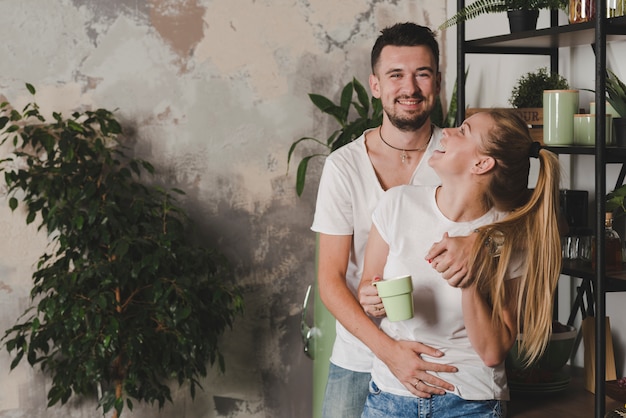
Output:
x=462 y=203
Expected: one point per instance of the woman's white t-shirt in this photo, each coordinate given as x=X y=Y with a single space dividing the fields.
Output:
x=409 y=220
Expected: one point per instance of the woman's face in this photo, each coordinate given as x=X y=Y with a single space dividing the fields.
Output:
x=459 y=151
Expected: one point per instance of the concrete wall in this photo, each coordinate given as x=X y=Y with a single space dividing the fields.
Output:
x=213 y=92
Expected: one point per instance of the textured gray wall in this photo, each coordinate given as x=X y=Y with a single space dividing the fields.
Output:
x=213 y=92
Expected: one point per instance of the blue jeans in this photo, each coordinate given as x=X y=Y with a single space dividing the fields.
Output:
x=346 y=392
x=381 y=404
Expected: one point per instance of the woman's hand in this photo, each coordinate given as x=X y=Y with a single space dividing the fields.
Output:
x=370 y=301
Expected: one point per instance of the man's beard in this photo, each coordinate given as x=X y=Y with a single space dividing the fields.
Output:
x=409 y=123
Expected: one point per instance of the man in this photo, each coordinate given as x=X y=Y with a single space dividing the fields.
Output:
x=406 y=78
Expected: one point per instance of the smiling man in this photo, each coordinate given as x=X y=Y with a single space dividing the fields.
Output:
x=406 y=77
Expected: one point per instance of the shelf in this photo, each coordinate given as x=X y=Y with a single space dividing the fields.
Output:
x=548 y=41
x=612 y=154
x=574 y=402
x=615 y=280
x=541 y=41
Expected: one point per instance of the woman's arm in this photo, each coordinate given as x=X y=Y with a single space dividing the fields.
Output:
x=492 y=341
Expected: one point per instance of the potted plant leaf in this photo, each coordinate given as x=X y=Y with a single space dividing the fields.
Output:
x=522 y=14
x=124 y=300
x=616 y=96
x=369 y=114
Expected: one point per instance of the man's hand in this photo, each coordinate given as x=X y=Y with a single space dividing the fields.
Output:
x=450 y=258
x=370 y=301
x=404 y=359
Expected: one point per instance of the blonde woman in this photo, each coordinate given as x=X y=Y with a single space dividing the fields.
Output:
x=515 y=264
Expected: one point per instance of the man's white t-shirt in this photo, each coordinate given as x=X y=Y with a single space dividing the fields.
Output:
x=349 y=191
x=409 y=220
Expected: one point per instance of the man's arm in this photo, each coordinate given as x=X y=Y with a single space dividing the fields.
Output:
x=402 y=357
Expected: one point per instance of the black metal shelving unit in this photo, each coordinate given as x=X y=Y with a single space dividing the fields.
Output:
x=547 y=42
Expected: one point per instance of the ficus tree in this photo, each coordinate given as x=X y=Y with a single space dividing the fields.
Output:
x=126 y=300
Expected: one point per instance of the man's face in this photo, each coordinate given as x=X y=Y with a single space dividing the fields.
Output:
x=407 y=82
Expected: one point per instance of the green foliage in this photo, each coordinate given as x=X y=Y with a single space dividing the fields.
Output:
x=479 y=7
x=369 y=113
x=615 y=201
x=616 y=93
x=449 y=121
x=121 y=299
x=528 y=91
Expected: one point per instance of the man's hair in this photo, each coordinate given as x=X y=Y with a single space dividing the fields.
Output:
x=405 y=34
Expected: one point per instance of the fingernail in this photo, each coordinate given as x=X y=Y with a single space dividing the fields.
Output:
x=430 y=260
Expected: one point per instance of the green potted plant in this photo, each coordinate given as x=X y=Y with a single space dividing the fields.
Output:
x=124 y=300
x=528 y=90
x=369 y=114
x=527 y=9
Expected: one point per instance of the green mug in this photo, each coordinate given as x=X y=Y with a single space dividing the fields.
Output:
x=397 y=296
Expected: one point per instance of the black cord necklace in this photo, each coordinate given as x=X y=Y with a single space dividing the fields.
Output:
x=404 y=155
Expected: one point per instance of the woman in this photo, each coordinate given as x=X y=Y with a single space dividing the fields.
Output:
x=484 y=166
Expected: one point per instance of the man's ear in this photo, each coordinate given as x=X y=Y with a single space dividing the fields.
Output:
x=374 y=86
x=484 y=165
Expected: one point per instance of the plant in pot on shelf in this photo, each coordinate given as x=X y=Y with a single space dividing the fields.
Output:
x=522 y=14
x=125 y=300
x=528 y=91
x=527 y=96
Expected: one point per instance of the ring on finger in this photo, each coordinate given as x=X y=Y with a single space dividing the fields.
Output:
x=417 y=382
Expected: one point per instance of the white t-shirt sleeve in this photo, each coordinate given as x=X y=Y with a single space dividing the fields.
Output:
x=333 y=210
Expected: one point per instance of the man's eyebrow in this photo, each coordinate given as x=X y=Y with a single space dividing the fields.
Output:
x=398 y=70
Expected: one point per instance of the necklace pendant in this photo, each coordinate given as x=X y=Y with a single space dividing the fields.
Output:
x=403 y=155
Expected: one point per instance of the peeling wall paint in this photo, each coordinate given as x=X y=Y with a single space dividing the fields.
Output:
x=213 y=92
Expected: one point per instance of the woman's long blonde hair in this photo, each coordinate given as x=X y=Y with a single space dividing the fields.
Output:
x=531 y=228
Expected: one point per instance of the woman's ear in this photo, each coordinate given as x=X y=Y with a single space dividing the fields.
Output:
x=484 y=165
